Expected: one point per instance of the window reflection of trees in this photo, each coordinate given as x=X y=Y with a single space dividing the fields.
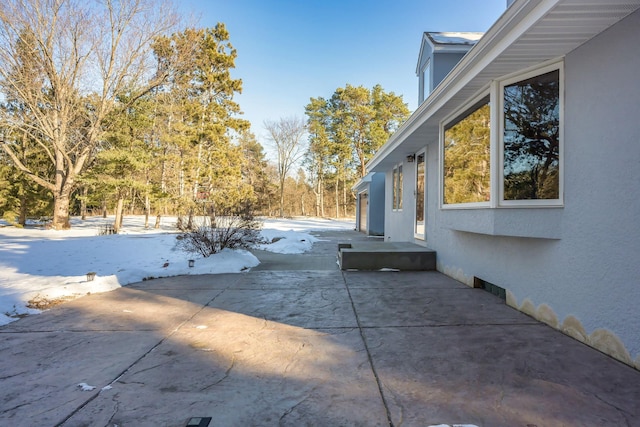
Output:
x=467 y=156
x=531 y=138
x=420 y=192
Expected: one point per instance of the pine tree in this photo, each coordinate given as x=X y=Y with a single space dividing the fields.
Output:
x=345 y=131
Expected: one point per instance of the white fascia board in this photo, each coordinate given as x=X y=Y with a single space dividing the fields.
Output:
x=362 y=182
x=514 y=22
x=458 y=48
x=424 y=38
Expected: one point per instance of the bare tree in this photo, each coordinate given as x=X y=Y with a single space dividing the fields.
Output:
x=286 y=136
x=63 y=65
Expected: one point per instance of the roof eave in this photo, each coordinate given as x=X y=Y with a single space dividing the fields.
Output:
x=516 y=21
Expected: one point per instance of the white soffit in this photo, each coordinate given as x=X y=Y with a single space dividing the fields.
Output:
x=528 y=33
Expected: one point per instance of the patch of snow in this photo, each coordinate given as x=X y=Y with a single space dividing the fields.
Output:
x=389 y=269
x=286 y=242
x=86 y=387
x=40 y=264
x=308 y=224
x=469 y=38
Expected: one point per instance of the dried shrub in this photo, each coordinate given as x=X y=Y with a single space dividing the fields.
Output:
x=209 y=235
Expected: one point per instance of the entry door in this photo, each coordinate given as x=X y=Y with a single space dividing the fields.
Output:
x=364 y=199
x=421 y=181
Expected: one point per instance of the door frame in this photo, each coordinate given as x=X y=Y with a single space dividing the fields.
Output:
x=416 y=234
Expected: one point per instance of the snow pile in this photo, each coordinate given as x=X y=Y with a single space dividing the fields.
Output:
x=287 y=242
x=38 y=266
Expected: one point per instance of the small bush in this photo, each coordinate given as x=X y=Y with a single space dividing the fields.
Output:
x=106 y=230
x=233 y=230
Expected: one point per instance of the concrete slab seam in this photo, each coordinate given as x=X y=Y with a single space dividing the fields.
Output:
x=366 y=347
x=135 y=362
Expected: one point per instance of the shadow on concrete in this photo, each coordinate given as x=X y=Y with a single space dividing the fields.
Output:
x=304 y=347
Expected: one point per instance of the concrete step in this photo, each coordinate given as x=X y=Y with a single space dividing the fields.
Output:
x=403 y=256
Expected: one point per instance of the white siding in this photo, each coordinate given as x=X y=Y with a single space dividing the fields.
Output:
x=590 y=270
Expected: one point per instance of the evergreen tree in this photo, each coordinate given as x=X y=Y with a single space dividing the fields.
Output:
x=201 y=116
x=345 y=131
x=255 y=171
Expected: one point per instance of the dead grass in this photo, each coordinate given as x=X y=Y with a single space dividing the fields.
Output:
x=43 y=303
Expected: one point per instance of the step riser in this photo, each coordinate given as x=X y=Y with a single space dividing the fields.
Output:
x=405 y=260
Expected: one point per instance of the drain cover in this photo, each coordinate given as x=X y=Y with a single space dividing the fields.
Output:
x=199 y=422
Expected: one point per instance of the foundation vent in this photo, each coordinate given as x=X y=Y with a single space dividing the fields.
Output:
x=490 y=287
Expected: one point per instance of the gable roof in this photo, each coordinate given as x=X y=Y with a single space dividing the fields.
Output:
x=447 y=42
x=528 y=33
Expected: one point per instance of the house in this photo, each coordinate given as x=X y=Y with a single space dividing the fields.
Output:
x=439 y=53
x=521 y=166
x=370 y=204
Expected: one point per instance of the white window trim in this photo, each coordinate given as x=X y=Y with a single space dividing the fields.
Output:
x=495 y=91
x=417 y=235
x=499 y=134
x=481 y=94
x=426 y=79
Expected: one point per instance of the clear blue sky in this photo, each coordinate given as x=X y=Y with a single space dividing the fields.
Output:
x=292 y=50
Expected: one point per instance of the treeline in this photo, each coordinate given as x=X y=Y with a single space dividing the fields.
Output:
x=102 y=111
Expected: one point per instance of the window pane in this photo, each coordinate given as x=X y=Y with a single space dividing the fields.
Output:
x=531 y=138
x=395 y=188
x=467 y=155
x=399 y=187
x=426 y=81
x=420 y=193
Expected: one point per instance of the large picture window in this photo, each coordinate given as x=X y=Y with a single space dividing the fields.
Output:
x=516 y=163
x=531 y=138
x=466 y=159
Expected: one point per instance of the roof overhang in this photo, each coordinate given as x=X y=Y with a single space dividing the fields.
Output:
x=363 y=183
x=528 y=33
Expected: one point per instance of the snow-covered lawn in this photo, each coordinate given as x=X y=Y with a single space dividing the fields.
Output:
x=38 y=265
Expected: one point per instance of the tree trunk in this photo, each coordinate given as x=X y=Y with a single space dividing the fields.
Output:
x=118 y=222
x=83 y=203
x=337 y=198
x=61 y=209
x=344 y=196
x=147 y=210
x=157 y=224
x=22 y=216
x=321 y=189
x=190 y=220
x=104 y=208
x=281 y=198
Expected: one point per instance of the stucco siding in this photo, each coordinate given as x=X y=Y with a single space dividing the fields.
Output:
x=399 y=223
x=376 y=205
x=586 y=279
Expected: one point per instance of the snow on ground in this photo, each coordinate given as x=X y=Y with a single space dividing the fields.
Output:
x=41 y=265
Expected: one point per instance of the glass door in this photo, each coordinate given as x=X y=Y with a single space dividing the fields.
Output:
x=420 y=222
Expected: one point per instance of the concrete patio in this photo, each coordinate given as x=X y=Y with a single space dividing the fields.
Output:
x=297 y=342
